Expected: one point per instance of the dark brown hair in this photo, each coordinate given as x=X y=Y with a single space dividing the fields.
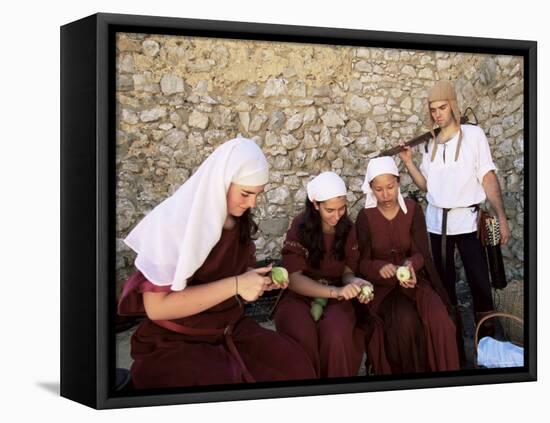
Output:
x=310 y=234
x=247 y=227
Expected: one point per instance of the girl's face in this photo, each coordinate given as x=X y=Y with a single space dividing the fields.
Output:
x=385 y=188
x=331 y=211
x=240 y=198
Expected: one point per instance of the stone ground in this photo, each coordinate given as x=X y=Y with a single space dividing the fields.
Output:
x=259 y=309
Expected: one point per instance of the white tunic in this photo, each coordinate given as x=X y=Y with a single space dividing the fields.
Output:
x=456 y=184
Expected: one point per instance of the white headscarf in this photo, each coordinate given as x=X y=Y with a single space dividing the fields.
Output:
x=325 y=186
x=380 y=166
x=175 y=238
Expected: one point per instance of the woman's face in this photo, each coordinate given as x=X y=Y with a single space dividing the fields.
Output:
x=240 y=198
x=385 y=188
x=331 y=211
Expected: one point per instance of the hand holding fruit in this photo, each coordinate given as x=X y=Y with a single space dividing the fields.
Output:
x=279 y=277
x=252 y=284
x=347 y=292
x=367 y=292
x=406 y=275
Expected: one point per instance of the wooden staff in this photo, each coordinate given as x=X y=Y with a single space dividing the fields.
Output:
x=425 y=138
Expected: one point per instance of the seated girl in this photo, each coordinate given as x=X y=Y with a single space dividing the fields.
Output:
x=195 y=262
x=410 y=325
x=320 y=253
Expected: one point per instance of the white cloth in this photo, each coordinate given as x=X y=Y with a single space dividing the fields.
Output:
x=175 y=238
x=376 y=167
x=325 y=186
x=456 y=184
x=493 y=354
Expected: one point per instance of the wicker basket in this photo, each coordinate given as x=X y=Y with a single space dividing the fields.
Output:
x=509 y=317
x=510 y=301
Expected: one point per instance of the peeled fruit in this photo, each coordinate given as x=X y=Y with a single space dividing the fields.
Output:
x=321 y=301
x=403 y=273
x=367 y=292
x=316 y=311
x=279 y=275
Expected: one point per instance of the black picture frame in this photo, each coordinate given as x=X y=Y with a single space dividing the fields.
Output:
x=88 y=198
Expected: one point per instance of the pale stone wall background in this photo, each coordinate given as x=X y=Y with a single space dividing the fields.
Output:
x=310 y=107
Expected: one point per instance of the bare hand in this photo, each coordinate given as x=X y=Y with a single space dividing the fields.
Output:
x=348 y=292
x=504 y=231
x=411 y=283
x=406 y=154
x=388 y=271
x=253 y=283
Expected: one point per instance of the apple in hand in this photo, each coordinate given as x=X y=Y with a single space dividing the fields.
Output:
x=403 y=273
x=366 y=292
x=279 y=275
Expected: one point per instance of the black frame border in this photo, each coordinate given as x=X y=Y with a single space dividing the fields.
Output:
x=88 y=197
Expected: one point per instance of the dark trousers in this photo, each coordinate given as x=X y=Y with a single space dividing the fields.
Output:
x=475 y=264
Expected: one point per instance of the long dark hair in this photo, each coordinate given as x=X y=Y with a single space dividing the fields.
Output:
x=310 y=234
x=247 y=227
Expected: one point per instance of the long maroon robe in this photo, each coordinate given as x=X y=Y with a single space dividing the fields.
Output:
x=164 y=358
x=335 y=344
x=411 y=329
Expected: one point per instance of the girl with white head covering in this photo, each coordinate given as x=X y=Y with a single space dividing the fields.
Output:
x=320 y=254
x=409 y=318
x=194 y=259
x=174 y=239
x=384 y=168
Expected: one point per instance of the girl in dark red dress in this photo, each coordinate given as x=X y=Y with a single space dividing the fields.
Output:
x=410 y=325
x=320 y=253
x=195 y=259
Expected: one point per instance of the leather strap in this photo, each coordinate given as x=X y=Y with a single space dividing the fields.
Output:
x=444 y=237
x=233 y=349
x=444 y=243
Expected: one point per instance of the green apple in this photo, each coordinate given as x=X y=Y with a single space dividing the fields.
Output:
x=279 y=275
x=321 y=301
x=316 y=311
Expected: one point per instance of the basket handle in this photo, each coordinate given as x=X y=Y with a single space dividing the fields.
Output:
x=490 y=316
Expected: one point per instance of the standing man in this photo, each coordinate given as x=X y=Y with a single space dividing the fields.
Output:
x=458 y=173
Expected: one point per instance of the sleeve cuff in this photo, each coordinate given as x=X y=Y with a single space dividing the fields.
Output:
x=483 y=170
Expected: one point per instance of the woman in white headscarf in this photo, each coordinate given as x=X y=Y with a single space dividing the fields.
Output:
x=409 y=323
x=195 y=260
x=320 y=253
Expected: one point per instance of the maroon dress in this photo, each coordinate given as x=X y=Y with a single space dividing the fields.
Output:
x=216 y=346
x=410 y=328
x=334 y=343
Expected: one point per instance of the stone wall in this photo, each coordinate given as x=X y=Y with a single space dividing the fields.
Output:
x=310 y=107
